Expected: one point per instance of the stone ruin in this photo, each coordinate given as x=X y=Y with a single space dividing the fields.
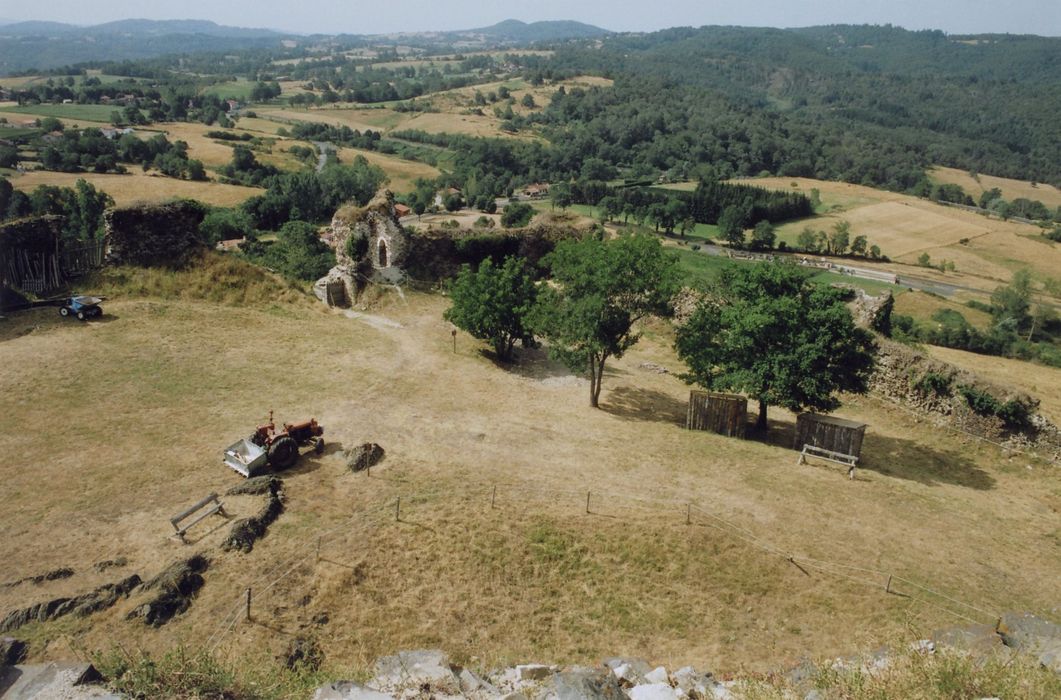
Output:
x=370 y=246
x=151 y=234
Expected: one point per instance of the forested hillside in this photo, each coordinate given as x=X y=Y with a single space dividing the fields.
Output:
x=864 y=104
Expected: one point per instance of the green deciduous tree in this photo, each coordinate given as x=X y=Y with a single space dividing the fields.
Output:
x=807 y=240
x=731 y=225
x=763 y=236
x=840 y=238
x=493 y=303
x=769 y=332
x=1010 y=304
x=602 y=289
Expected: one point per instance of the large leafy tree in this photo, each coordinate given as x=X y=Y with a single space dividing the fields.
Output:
x=769 y=332
x=493 y=303
x=601 y=290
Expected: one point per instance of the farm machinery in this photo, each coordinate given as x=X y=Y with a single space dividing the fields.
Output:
x=276 y=449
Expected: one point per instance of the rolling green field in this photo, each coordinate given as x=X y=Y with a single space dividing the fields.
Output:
x=239 y=90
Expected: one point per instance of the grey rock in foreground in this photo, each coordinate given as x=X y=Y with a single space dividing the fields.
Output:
x=68 y=681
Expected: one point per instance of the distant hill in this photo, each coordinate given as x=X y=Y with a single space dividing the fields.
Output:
x=514 y=30
x=37 y=45
x=145 y=27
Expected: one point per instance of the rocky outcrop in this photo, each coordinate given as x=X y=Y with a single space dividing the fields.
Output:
x=247 y=531
x=430 y=674
x=256 y=486
x=153 y=234
x=175 y=587
x=53 y=575
x=99 y=599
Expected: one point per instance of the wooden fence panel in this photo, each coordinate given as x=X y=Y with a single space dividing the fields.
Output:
x=829 y=433
x=725 y=414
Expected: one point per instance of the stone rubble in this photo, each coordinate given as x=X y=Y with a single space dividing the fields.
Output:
x=429 y=674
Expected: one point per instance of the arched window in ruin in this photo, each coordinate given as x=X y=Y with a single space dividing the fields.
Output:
x=382 y=256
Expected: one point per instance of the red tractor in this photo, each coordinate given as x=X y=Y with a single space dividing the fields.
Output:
x=280 y=450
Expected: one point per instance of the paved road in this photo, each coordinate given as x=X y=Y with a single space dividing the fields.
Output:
x=323 y=148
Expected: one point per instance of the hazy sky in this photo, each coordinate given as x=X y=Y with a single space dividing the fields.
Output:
x=358 y=17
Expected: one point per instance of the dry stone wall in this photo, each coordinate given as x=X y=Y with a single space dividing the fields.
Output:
x=153 y=234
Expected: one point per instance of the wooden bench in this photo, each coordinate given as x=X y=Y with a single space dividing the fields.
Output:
x=204 y=506
x=849 y=461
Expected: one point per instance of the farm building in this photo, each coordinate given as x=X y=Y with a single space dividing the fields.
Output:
x=725 y=414
x=829 y=433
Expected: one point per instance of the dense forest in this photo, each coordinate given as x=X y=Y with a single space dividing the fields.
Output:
x=872 y=105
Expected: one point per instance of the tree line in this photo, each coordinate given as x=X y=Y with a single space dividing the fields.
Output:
x=763 y=329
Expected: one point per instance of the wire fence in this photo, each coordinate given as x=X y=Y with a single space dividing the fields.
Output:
x=593 y=502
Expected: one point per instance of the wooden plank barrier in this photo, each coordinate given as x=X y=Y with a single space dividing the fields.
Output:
x=204 y=506
x=725 y=414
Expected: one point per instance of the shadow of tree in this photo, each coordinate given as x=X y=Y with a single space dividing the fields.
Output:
x=531 y=363
x=897 y=457
x=634 y=403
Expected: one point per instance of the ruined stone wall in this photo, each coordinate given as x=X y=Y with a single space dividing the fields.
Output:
x=153 y=234
x=372 y=247
x=370 y=237
x=933 y=388
x=438 y=255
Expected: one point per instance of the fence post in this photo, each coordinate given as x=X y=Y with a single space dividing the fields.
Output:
x=319 y=549
x=688 y=513
x=248 y=603
x=888 y=586
x=398 y=509
x=587 y=502
x=493 y=497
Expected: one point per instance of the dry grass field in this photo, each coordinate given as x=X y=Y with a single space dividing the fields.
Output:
x=137 y=186
x=921 y=306
x=401 y=173
x=1011 y=189
x=451 y=117
x=124 y=422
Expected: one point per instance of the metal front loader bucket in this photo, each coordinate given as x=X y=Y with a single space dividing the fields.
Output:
x=245 y=457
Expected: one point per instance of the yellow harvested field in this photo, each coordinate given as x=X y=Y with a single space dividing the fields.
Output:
x=907 y=228
x=1040 y=381
x=360 y=119
x=468 y=124
x=212 y=153
x=401 y=173
x=834 y=195
x=1011 y=189
x=138 y=186
x=257 y=124
x=12 y=82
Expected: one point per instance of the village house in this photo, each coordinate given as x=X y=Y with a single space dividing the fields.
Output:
x=440 y=196
x=537 y=190
x=402 y=211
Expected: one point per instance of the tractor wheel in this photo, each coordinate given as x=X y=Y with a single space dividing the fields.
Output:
x=318 y=446
x=283 y=453
x=63 y=311
x=81 y=315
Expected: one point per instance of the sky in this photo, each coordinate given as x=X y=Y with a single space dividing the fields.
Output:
x=357 y=17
